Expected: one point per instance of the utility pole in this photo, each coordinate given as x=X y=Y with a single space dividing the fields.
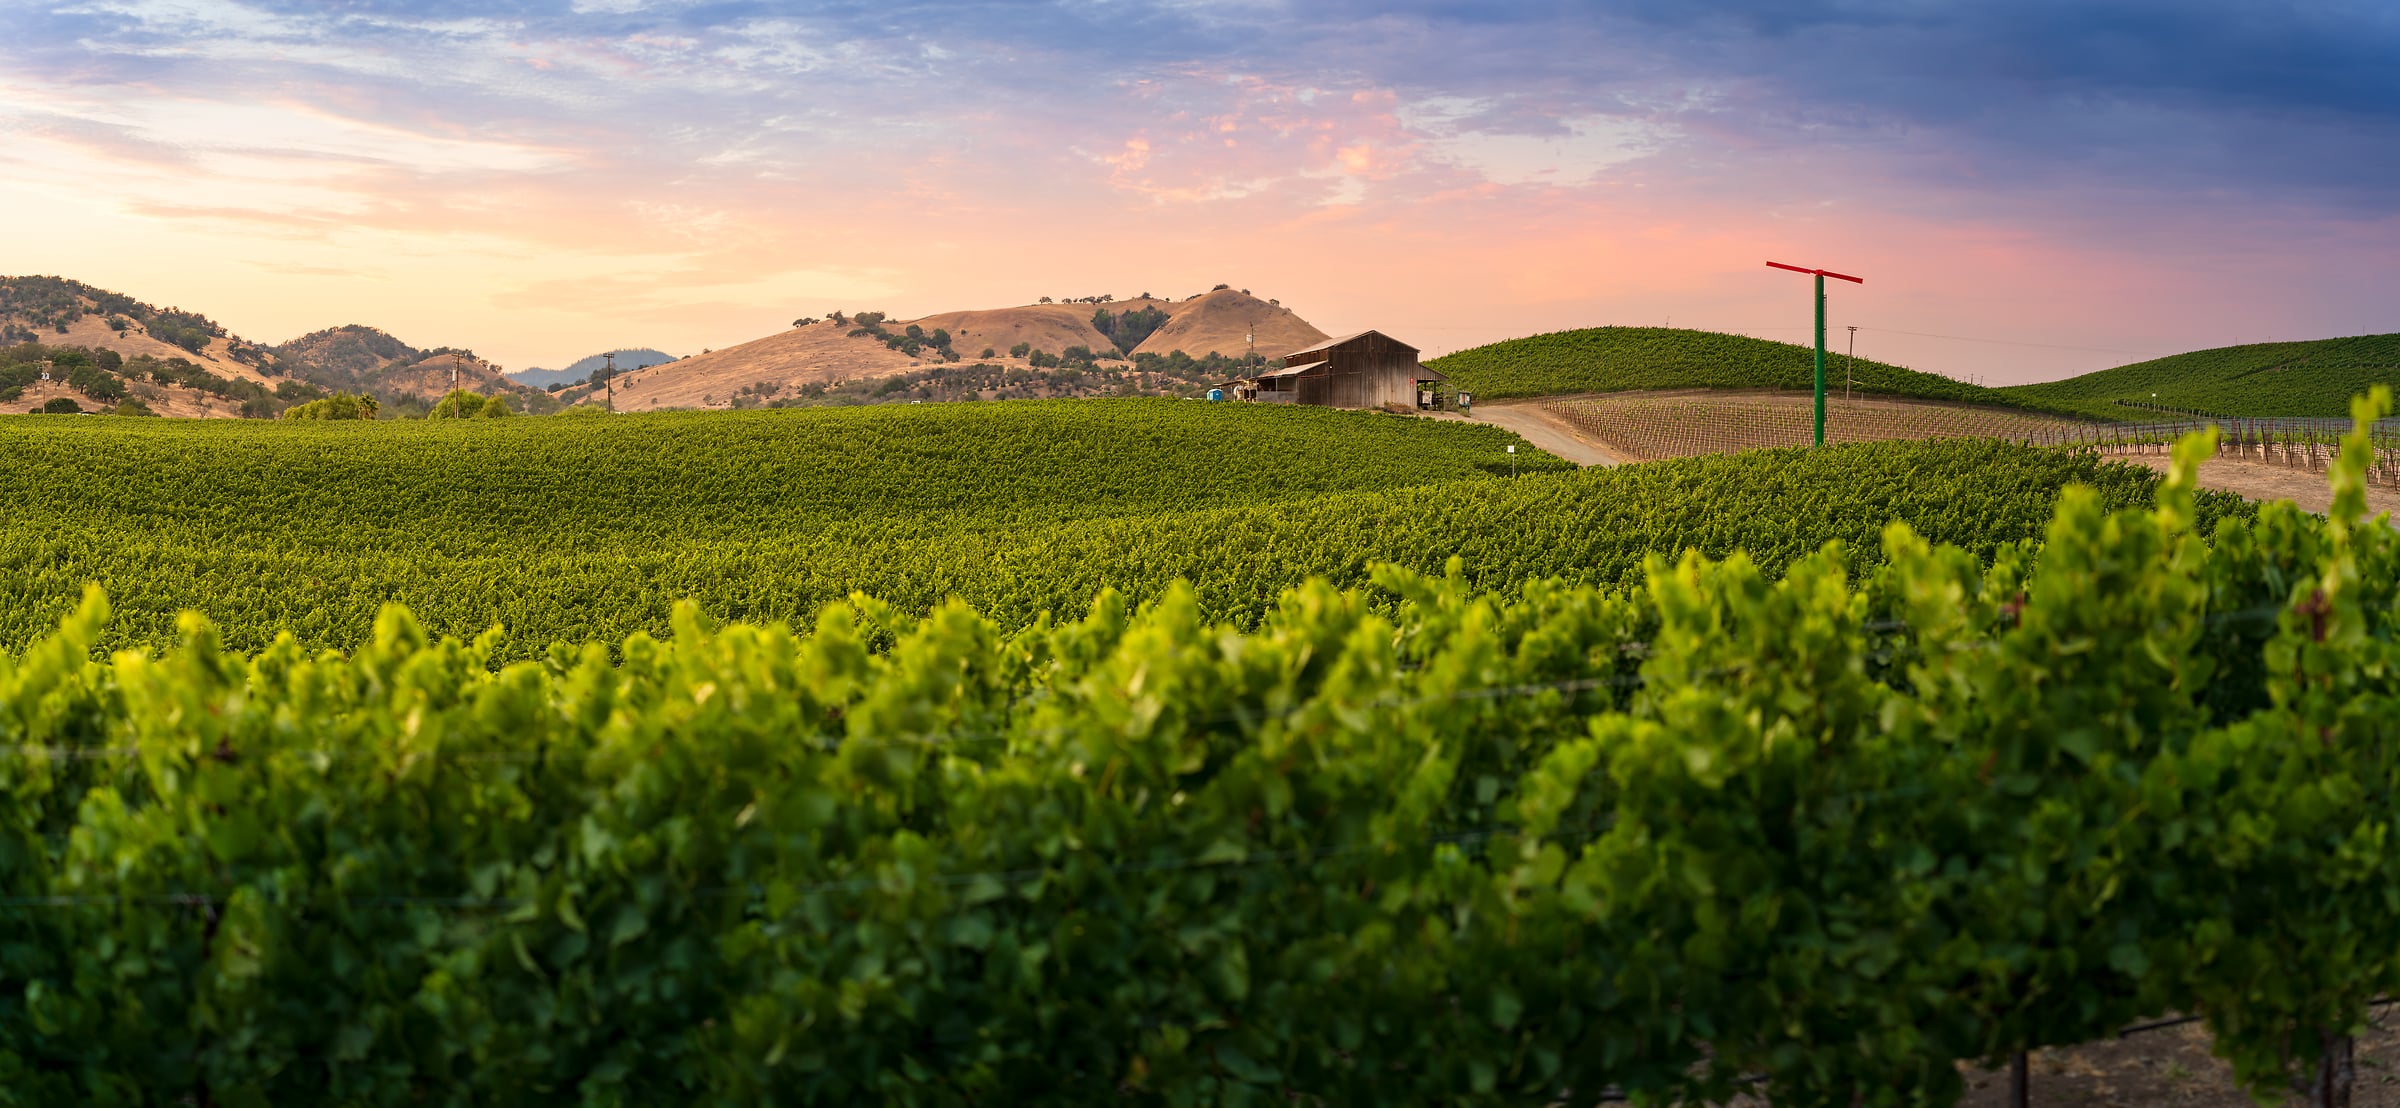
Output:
x=1820 y=275
x=455 y=358
x=608 y=379
x=1850 y=367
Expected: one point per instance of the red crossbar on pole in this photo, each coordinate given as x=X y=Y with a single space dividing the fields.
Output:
x=1819 y=364
x=1820 y=273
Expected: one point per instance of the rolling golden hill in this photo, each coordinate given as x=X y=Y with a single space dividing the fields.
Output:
x=824 y=353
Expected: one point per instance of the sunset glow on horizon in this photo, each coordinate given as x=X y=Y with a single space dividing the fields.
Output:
x=2029 y=189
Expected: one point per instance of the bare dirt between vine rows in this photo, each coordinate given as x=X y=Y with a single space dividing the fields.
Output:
x=2172 y=1068
x=2258 y=480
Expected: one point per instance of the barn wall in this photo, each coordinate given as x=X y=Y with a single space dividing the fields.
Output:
x=1367 y=372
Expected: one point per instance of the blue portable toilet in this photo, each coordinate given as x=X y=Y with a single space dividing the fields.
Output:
x=1216 y=394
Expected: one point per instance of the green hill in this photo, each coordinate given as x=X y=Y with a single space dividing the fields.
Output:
x=1615 y=359
x=2315 y=378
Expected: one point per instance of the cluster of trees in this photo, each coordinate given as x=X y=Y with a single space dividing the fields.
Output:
x=469 y=404
x=66 y=405
x=755 y=394
x=914 y=341
x=1129 y=328
x=1212 y=366
x=346 y=355
x=90 y=372
x=1076 y=372
x=1079 y=357
x=56 y=303
x=340 y=405
x=256 y=401
x=1102 y=298
x=108 y=377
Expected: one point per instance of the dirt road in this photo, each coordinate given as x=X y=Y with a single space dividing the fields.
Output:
x=1545 y=431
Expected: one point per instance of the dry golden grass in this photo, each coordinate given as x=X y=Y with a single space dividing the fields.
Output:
x=93 y=332
x=819 y=352
x=1220 y=321
x=823 y=353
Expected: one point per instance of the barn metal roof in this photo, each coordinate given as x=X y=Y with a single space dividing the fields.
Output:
x=1329 y=344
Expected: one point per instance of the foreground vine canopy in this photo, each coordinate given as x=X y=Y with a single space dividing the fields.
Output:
x=1819 y=834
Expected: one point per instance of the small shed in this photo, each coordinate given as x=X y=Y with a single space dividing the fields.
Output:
x=1367 y=370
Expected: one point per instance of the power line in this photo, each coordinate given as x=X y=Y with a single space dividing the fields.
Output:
x=2010 y=342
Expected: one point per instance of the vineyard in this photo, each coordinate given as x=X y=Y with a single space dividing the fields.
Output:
x=1650 y=426
x=583 y=530
x=2294 y=379
x=1818 y=835
x=1644 y=427
x=1618 y=359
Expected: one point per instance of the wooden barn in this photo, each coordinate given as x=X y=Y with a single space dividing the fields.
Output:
x=1367 y=370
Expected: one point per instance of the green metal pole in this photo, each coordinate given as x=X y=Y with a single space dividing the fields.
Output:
x=1820 y=359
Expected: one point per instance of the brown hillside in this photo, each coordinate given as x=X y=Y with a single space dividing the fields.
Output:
x=165 y=400
x=367 y=359
x=818 y=353
x=1219 y=322
x=428 y=378
x=349 y=352
x=1050 y=327
x=162 y=400
x=823 y=353
x=93 y=331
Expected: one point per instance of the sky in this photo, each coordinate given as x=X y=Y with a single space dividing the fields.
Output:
x=2031 y=188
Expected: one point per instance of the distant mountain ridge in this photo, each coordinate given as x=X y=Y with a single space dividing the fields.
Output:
x=629 y=358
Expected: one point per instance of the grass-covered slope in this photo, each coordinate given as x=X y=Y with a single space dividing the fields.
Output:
x=2315 y=378
x=1614 y=359
x=592 y=529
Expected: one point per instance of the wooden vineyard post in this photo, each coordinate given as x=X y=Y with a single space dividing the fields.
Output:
x=2336 y=1073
